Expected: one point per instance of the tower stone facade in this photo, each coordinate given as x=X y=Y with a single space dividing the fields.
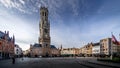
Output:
x=44 y=28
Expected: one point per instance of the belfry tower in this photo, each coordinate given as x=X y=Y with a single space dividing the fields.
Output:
x=44 y=28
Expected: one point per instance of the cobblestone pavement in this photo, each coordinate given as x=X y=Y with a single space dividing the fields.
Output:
x=53 y=63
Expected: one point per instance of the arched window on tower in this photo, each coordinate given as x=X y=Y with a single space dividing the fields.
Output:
x=43 y=22
x=45 y=13
x=42 y=13
x=46 y=31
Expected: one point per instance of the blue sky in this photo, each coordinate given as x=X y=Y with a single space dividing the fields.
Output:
x=74 y=23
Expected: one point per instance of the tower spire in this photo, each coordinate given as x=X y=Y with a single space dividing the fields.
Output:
x=13 y=38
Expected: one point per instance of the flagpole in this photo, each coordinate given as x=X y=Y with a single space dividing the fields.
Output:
x=111 y=48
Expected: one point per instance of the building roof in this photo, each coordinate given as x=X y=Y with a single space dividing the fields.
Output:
x=16 y=45
x=52 y=46
x=44 y=8
x=105 y=39
x=96 y=44
x=1 y=34
x=37 y=45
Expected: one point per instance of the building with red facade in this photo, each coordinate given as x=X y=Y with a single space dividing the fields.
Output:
x=6 y=45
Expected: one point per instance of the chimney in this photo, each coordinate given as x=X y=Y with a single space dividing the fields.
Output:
x=8 y=33
x=5 y=32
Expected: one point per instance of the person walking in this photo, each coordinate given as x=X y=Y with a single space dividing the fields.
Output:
x=22 y=58
x=13 y=60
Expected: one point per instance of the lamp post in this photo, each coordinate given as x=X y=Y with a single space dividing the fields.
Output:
x=111 y=51
x=1 y=50
x=111 y=57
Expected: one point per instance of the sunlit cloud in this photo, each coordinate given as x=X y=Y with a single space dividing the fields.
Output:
x=74 y=23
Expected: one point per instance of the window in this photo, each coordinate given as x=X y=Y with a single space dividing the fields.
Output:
x=106 y=49
x=45 y=13
x=46 y=31
x=46 y=45
x=42 y=13
x=103 y=44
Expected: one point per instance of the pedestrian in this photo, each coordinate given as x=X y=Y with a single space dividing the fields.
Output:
x=22 y=58
x=13 y=60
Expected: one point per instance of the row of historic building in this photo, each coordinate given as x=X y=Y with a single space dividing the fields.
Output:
x=104 y=47
x=8 y=48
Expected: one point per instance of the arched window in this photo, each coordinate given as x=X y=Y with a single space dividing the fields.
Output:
x=42 y=13
x=46 y=31
x=40 y=30
x=45 y=13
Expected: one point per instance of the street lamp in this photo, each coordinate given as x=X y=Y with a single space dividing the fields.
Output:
x=1 y=50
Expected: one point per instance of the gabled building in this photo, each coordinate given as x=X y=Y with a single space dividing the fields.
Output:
x=36 y=50
x=26 y=53
x=105 y=47
x=69 y=52
x=54 y=51
x=96 y=49
x=116 y=49
x=6 y=45
x=18 y=51
x=88 y=48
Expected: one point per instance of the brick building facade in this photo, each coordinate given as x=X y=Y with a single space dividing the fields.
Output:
x=6 y=45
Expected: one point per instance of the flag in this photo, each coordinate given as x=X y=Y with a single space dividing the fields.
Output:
x=114 y=40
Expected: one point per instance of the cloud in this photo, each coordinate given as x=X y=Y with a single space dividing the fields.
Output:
x=108 y=7
x=14 y=4
x=30 y=6
x=7 y=3
x=24 y=31
x=68 y=32
x=75 y=6
x=22 y=1
x=24 y=46
x=100 y=29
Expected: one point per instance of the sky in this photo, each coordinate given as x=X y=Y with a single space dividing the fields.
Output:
x=73 y=23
